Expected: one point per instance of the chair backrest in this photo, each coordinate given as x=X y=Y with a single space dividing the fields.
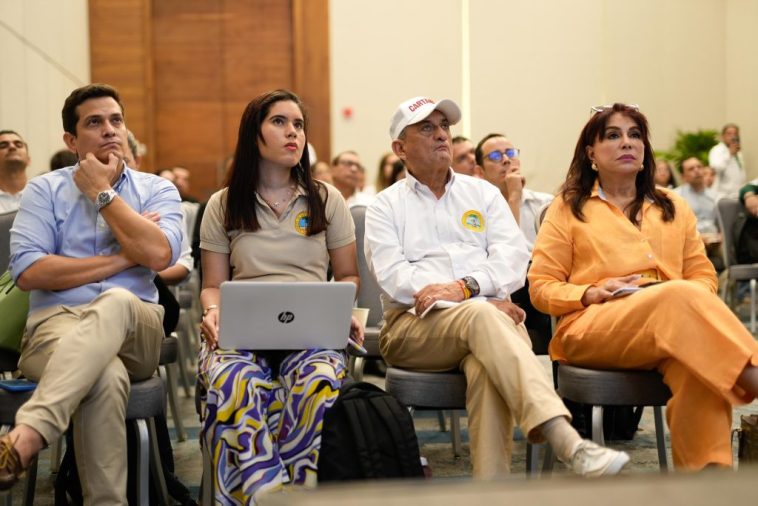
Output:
x=368 y=295
x=6 y=221
x=727 y=211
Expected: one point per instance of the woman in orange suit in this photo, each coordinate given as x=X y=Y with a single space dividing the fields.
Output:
x=612 y=228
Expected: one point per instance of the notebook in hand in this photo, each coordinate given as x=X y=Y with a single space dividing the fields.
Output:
x=285 y=316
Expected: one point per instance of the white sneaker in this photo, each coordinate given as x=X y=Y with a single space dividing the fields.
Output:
x=592 y=460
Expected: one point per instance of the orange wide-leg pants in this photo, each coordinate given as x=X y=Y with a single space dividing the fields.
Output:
x=689 y=335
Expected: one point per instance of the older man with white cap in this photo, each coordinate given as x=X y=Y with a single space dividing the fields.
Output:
x=447 y=253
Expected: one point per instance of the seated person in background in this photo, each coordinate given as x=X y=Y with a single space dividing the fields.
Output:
x=609 y=228
x=702 y=201
x=384 y=173
x=726 y=159
x=322 y=172
x=709 y=177
x=749 y=197
x=263 y=411
x=14 y=159
x=464 y=160
x=81 y=245
x=447 y=238
x=664 y=175
x=346 y=174
x=498 y=160
x=63 y=158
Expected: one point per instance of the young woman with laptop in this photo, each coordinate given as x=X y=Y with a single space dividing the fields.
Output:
x=272 y=222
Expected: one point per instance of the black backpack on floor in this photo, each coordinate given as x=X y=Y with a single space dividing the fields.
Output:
x=367 y=434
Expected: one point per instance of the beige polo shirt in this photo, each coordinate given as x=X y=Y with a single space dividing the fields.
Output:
x=279 y=250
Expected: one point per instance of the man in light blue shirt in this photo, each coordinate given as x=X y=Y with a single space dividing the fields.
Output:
x=702 y=200
x=86 y=243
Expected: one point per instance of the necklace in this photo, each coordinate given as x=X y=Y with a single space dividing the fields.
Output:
x=276 y=204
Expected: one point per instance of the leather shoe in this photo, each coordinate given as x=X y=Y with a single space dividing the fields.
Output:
x=10 y=463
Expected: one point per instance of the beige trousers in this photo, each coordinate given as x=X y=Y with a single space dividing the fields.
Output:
x=505 y=380
x=83 y=357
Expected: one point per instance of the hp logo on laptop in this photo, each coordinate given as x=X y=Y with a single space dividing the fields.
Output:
x=285 y=317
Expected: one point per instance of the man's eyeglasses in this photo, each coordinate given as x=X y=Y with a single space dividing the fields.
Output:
x=600 y=108
x=497 y=156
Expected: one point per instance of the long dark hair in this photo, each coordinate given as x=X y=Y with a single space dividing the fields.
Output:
x=244 y=173
x=581 y=177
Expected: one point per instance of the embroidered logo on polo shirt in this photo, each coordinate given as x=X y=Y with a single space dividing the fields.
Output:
x=301 y=223
x=473 y=220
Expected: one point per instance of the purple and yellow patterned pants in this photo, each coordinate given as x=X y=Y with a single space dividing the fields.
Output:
x=263 y=432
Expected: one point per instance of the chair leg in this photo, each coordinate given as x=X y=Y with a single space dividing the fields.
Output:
x=358 y=365
x=660 y=438
x=167 y=371
x=597 y=425
x=156 y=465
x=752 y=306
x=183 y=358
x=30 y=482
x=455 y=432
x=441 y=420
x=549 y=462
x=532 y=460
x=56 y=453
x=206 y=486
x=143 y=463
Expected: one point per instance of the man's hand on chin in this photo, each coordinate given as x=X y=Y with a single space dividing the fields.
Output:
x=93 y=176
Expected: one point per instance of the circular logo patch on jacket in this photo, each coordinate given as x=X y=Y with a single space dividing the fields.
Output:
x=301 y=223
x=473 y=220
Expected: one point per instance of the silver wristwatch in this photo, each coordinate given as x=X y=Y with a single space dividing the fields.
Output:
x=105 y=198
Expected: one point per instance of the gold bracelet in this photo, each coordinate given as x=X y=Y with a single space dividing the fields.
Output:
x=209 y=309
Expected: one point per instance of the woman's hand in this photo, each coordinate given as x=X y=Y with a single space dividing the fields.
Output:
x=209 y=328
x=599 y=294
x=356 y=331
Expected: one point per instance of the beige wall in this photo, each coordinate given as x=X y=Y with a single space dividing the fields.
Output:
x=45 y=47
x=537 y=67
x=742 y=70
x=383 y=53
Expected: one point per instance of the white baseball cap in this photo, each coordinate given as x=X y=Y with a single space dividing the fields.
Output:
x=419 y=108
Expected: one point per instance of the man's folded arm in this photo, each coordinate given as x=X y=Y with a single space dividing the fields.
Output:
x=55 y=272
x=153 y=245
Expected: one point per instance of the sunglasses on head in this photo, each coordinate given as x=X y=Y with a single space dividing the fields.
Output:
x=600 y=108
x=497 y=156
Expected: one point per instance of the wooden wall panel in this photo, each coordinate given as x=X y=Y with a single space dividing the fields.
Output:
x=189 y=90
x=187 y=69
x=121 y=55
x=310 y=63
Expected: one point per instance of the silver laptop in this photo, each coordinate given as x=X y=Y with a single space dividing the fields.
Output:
x=285 y=316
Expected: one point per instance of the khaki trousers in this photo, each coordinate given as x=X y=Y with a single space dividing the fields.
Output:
x=692 y=338
x=83 y=357
x=505 y=380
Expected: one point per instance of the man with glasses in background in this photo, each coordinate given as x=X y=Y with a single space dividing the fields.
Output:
x=346 y=176
x=500 y=163
x=447 y=254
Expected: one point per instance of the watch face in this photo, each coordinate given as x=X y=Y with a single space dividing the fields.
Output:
x=104 y=198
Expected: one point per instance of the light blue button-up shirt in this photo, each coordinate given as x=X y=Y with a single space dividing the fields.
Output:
x=55 y=218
